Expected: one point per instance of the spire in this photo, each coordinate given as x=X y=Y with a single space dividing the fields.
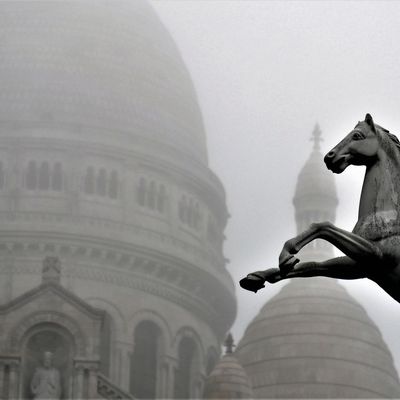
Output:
x=229 y=344
x=316 y=137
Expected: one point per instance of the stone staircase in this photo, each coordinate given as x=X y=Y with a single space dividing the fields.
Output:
x=108 y=390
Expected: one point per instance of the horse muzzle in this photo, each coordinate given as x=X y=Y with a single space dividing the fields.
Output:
x=336 y=164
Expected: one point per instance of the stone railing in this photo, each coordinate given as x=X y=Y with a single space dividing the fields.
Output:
x=108 y=390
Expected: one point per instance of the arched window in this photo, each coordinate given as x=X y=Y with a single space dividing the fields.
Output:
x=211 y=362
x=190 y=217
x=143 y=371
x=89 y=181
x=151 y=196
x=184 y=372
x=161 y=199
x=44 y=176
x=141 y=192
x=183 y=210
x=101 y=184
x=196 y=216
x=57 y=177
x=113 y=188
x=2 y=175
x=31 y=176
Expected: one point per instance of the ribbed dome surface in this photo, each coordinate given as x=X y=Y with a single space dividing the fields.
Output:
x=228 y=380
x=312 y=340
x=109 y=70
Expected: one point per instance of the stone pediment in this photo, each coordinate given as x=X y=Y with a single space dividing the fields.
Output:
x=52 y=305
x=51 y=296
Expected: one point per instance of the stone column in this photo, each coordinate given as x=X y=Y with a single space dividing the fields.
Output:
x=13 y=382
x=78 y=381
x=125 y=365
x=172 y=364
x=2 y=372
x=198 y=386
x=93 y=370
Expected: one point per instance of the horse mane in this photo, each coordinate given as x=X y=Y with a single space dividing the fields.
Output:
x=392 y=137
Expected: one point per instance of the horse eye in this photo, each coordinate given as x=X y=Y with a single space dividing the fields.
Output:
x=358 y=136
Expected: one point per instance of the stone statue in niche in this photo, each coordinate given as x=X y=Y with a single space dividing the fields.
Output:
x=372 y=249
x=46 y=383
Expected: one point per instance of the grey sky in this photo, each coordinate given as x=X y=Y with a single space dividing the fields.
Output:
x=265 y=73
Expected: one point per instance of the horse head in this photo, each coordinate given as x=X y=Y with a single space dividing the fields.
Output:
x=359 y=147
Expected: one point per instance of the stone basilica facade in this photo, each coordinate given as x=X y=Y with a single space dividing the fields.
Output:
x=111 y=222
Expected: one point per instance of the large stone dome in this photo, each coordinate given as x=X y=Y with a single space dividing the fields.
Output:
x=313 y=340
x=110 y=71
x=103 y=164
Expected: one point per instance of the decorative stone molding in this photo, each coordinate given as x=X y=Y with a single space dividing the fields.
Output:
x=187 y=285
x=17 y=333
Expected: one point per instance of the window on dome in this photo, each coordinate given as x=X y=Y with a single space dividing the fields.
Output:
x=101 y=182
x=144 y=360
x=44 y=176
x=113 y=187
x=161 y=198
x=151 y=195
x=141 y=192
x=57 y=177
x=189 y=212
x=89 y=181
x=31 y=176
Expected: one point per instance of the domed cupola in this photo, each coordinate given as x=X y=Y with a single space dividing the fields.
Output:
x=228 y=380
x=315 y=198
x=315 y=189
x=313 y=340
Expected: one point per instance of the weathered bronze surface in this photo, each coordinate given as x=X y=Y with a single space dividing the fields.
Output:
x=372 y=249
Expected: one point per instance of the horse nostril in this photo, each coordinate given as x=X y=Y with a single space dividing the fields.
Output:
x=331 y=154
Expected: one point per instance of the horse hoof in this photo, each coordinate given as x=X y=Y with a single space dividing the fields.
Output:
x=252 y=282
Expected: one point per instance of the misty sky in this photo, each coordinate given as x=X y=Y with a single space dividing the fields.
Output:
x=265 y=73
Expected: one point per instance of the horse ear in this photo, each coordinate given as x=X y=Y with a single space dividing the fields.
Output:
x=370 y=122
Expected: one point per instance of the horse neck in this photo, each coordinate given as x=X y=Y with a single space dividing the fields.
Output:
x=381 y=188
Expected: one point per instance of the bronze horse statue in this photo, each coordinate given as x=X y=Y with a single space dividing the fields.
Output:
x=372 y=249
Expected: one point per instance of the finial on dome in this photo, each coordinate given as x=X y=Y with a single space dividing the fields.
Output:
x=316 y=137
x=229 y=344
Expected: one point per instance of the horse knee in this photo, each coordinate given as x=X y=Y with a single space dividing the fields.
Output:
x=320 y=226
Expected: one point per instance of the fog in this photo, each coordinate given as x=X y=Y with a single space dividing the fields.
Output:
x=265 y=73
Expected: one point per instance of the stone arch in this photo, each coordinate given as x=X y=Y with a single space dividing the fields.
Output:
x=187 y=331
x=118 y=318
x=116 y=331
x=211 y=359
x=162 y=348
x=47 y=337
x=160 y=321
x=190 y=355
x=15 y=338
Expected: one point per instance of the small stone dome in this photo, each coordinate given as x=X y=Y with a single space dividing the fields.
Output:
x=313 y=340
x=228 y=380
x=315 y=181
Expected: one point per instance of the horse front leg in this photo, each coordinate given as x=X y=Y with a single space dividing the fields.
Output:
x=339 y=268
x=354 y=246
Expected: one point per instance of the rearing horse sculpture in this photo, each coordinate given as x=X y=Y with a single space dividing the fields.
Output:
x=373 y=248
